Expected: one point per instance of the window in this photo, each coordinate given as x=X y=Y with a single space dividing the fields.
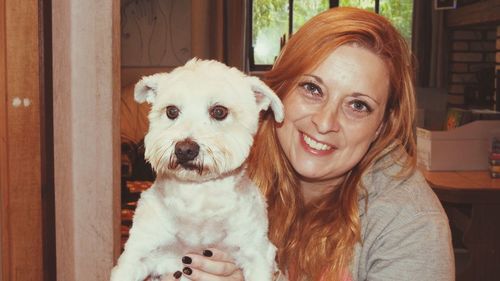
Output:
x=271 y=22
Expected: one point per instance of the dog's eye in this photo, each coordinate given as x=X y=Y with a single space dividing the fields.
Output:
x=218 y=112
x=172 y=112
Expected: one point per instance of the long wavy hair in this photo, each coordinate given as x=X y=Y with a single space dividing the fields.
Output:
x=316 y=241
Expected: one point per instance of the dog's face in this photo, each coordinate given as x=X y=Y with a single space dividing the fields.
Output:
x=203 y=118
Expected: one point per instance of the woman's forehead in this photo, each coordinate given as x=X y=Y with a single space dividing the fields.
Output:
x=358 y=69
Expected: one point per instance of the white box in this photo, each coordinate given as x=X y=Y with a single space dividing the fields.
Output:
x=464 y=148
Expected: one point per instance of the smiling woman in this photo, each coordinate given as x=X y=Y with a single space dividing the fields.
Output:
x=333 y=115
x=345 y=200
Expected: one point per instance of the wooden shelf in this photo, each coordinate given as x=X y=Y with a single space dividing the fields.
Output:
x=484 y=12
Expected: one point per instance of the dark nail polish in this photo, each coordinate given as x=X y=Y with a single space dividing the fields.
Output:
x=186 y=260
x=207 y=253
x=177 y=274
x=187 y=270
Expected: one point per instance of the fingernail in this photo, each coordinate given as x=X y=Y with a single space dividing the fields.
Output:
x=186 y=260
x=208 y=253
x=187 y=270
x=177 y=274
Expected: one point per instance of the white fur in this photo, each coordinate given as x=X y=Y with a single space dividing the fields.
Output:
x=215 y=205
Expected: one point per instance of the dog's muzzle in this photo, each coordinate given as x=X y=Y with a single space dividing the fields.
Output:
x=186 y=151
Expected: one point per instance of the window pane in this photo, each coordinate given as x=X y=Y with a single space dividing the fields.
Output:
x=270 y=23
x=400 y=13
x=363 y=4
x=303 y=10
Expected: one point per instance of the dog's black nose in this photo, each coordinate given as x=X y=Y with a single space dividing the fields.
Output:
x=186 y=150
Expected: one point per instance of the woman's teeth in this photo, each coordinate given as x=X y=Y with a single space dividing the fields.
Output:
x=316 y=145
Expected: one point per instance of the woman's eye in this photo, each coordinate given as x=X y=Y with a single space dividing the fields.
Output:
x=172 y=112
x=360 y=106
x=218 y=112
x=312 y=88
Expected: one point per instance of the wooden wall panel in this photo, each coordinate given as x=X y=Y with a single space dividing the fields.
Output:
x=236 y=24
x=20 y=168
x=155 y=33
x=483 y=12
x=3 y=147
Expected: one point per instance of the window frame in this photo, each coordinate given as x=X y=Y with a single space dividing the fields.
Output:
x=249 y=32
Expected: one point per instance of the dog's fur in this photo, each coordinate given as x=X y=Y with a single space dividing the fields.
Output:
x=207 y=201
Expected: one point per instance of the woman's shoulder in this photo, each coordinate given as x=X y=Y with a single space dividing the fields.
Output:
x=390 y=183
x=391 y=193
x=404 y=229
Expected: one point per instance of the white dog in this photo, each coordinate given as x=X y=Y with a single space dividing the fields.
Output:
x=203 y=119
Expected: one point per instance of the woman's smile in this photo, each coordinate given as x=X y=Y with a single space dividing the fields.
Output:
x=314 y=146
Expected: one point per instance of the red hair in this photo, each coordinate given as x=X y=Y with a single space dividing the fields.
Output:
x=317 y=240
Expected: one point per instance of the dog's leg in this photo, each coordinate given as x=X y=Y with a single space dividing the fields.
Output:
x=256 y=254
x=136 y=270
x=129 y=271
x=143 y=253
x=258 y=261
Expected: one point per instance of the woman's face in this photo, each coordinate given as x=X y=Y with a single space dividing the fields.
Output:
x=334 y=113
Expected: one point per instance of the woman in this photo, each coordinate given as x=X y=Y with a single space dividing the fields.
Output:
x=345 y=199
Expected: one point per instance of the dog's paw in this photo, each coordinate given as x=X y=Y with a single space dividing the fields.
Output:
x=126 y=272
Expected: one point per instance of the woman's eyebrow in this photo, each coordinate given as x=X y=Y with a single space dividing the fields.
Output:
x=357 y=94
x=317 y=78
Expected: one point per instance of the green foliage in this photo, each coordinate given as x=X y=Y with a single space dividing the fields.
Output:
x=399 y=12
x=270 y=20
x=362 y=4
x=268 y=13
x=303 y=10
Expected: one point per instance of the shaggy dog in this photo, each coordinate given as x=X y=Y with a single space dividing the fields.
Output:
x=203 y=119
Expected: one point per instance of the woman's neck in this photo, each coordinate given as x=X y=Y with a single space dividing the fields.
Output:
x=312 y=190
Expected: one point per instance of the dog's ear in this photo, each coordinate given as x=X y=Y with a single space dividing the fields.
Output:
x=266 y=98
x=146 y=88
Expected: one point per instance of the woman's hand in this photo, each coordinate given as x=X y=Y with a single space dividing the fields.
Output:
x=211 y=265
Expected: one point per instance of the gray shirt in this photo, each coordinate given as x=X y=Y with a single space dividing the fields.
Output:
x=404 y=230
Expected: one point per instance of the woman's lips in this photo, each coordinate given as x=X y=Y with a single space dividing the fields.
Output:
x=315 y=147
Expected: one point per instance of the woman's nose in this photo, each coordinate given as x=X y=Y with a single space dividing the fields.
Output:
x=326 y=119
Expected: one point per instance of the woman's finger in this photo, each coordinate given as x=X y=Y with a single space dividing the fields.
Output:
x=212 y=265
x=217 y=255
x=199 y=275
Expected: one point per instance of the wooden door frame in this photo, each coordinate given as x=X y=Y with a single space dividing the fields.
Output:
x=20 y=141
x=86 y=68
x=86 y=75
x=47 y=142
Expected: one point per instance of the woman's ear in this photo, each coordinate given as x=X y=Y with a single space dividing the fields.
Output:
x=146 y=89
x=265 y=98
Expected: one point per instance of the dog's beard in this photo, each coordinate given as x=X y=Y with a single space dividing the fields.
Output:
x=195 y=165
x=167 y=162
x=204 y=170
x=211 y=162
